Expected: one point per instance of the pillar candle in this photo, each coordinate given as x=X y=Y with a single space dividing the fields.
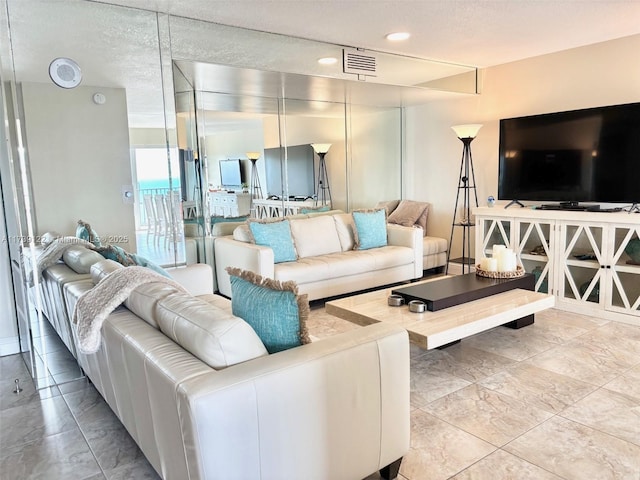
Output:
x=497 y=249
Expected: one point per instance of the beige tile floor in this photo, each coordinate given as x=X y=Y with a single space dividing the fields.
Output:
x=558 y=399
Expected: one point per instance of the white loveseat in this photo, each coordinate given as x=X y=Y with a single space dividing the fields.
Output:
x=336 y=408
x=327 y=264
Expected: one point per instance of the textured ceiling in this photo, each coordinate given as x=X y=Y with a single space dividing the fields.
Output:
x=117 y=47
x=471 y=32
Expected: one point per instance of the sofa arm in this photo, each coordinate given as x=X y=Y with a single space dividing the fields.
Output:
x=336 y=408
x=197 y=278
x=407 y=237
x=247 y=256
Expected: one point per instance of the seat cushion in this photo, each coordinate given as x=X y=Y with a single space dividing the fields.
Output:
x=433 y=245
x=336 y=265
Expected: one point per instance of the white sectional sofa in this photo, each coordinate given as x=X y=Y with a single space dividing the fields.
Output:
x=327 y=264
x=336 y=408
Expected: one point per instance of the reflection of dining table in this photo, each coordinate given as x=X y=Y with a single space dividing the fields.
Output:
x=278 y=208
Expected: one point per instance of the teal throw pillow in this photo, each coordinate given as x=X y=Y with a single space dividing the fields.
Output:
x=277 y=236
x=143 y=262
x=325 y=208
x=371 y=228
x=85 y=232
x=273 y=309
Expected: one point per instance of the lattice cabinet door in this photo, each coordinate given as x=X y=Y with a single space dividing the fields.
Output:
x=583 y=263
x=535 y=248
x=490 y=232
x=623 y=289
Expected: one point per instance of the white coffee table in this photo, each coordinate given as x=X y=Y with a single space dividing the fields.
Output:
x=440 y=328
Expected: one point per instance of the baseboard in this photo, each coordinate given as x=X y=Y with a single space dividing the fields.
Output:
x=9 y=346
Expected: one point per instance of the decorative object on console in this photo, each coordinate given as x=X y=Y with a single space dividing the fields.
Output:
x=274 y=309
x=371 y=228
x=466 y=134
x=277 y=236
x=633 y=250
x=323 y=190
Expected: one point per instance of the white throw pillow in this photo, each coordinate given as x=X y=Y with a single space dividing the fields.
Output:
x=315 y=236
x=345 y=228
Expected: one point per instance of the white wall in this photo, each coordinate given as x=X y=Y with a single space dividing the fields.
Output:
x=235 y=144
x=602 y=74
x=79 y=159
x=8 y=327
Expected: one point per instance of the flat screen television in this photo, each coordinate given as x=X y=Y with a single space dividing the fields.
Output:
x=230 y=172
x=589 y=155
x=300 y=173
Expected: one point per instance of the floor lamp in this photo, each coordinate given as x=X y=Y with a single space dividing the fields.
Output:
x=254 y=188
x=466 y=134
x=323 y=190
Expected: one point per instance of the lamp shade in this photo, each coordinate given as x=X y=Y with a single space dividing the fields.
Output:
x=321 y=147
x=467 y=131
x=253 y=155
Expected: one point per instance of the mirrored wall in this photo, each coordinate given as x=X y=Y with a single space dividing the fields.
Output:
x=169 y=116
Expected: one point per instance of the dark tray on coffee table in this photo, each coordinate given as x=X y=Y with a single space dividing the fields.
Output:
x=461 y=289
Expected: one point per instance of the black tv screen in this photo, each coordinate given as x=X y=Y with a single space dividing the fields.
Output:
x=589 y=155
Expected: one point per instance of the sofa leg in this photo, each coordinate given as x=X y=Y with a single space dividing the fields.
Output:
x=391 y=471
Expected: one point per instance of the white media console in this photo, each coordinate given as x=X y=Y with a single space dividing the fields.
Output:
x=577 y=256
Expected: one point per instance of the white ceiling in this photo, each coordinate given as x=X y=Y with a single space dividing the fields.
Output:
x=117 y=47
x=472 y=32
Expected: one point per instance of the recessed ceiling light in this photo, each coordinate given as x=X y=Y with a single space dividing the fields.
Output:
x=327 y=60
x=398 y=36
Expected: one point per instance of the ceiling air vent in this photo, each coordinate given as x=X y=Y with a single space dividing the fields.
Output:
x=358 y=62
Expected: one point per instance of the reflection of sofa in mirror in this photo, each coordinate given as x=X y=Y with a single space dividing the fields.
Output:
x=327 y=263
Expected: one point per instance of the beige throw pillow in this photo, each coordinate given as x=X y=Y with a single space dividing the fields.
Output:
x=388 y=205
x=407 y=213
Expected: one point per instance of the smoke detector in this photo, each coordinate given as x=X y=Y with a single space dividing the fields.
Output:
x=359 y=62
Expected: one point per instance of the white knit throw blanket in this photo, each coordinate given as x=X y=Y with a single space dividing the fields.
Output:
x=94 y=306
x=51 y=254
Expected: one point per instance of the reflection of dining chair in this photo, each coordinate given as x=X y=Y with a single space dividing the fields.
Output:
x=174 y=207
x=161 y=218
x=152 y=218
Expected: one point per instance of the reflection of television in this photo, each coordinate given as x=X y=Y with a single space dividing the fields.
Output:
x=230 y=172
x=589 y=155
x=300 y=173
